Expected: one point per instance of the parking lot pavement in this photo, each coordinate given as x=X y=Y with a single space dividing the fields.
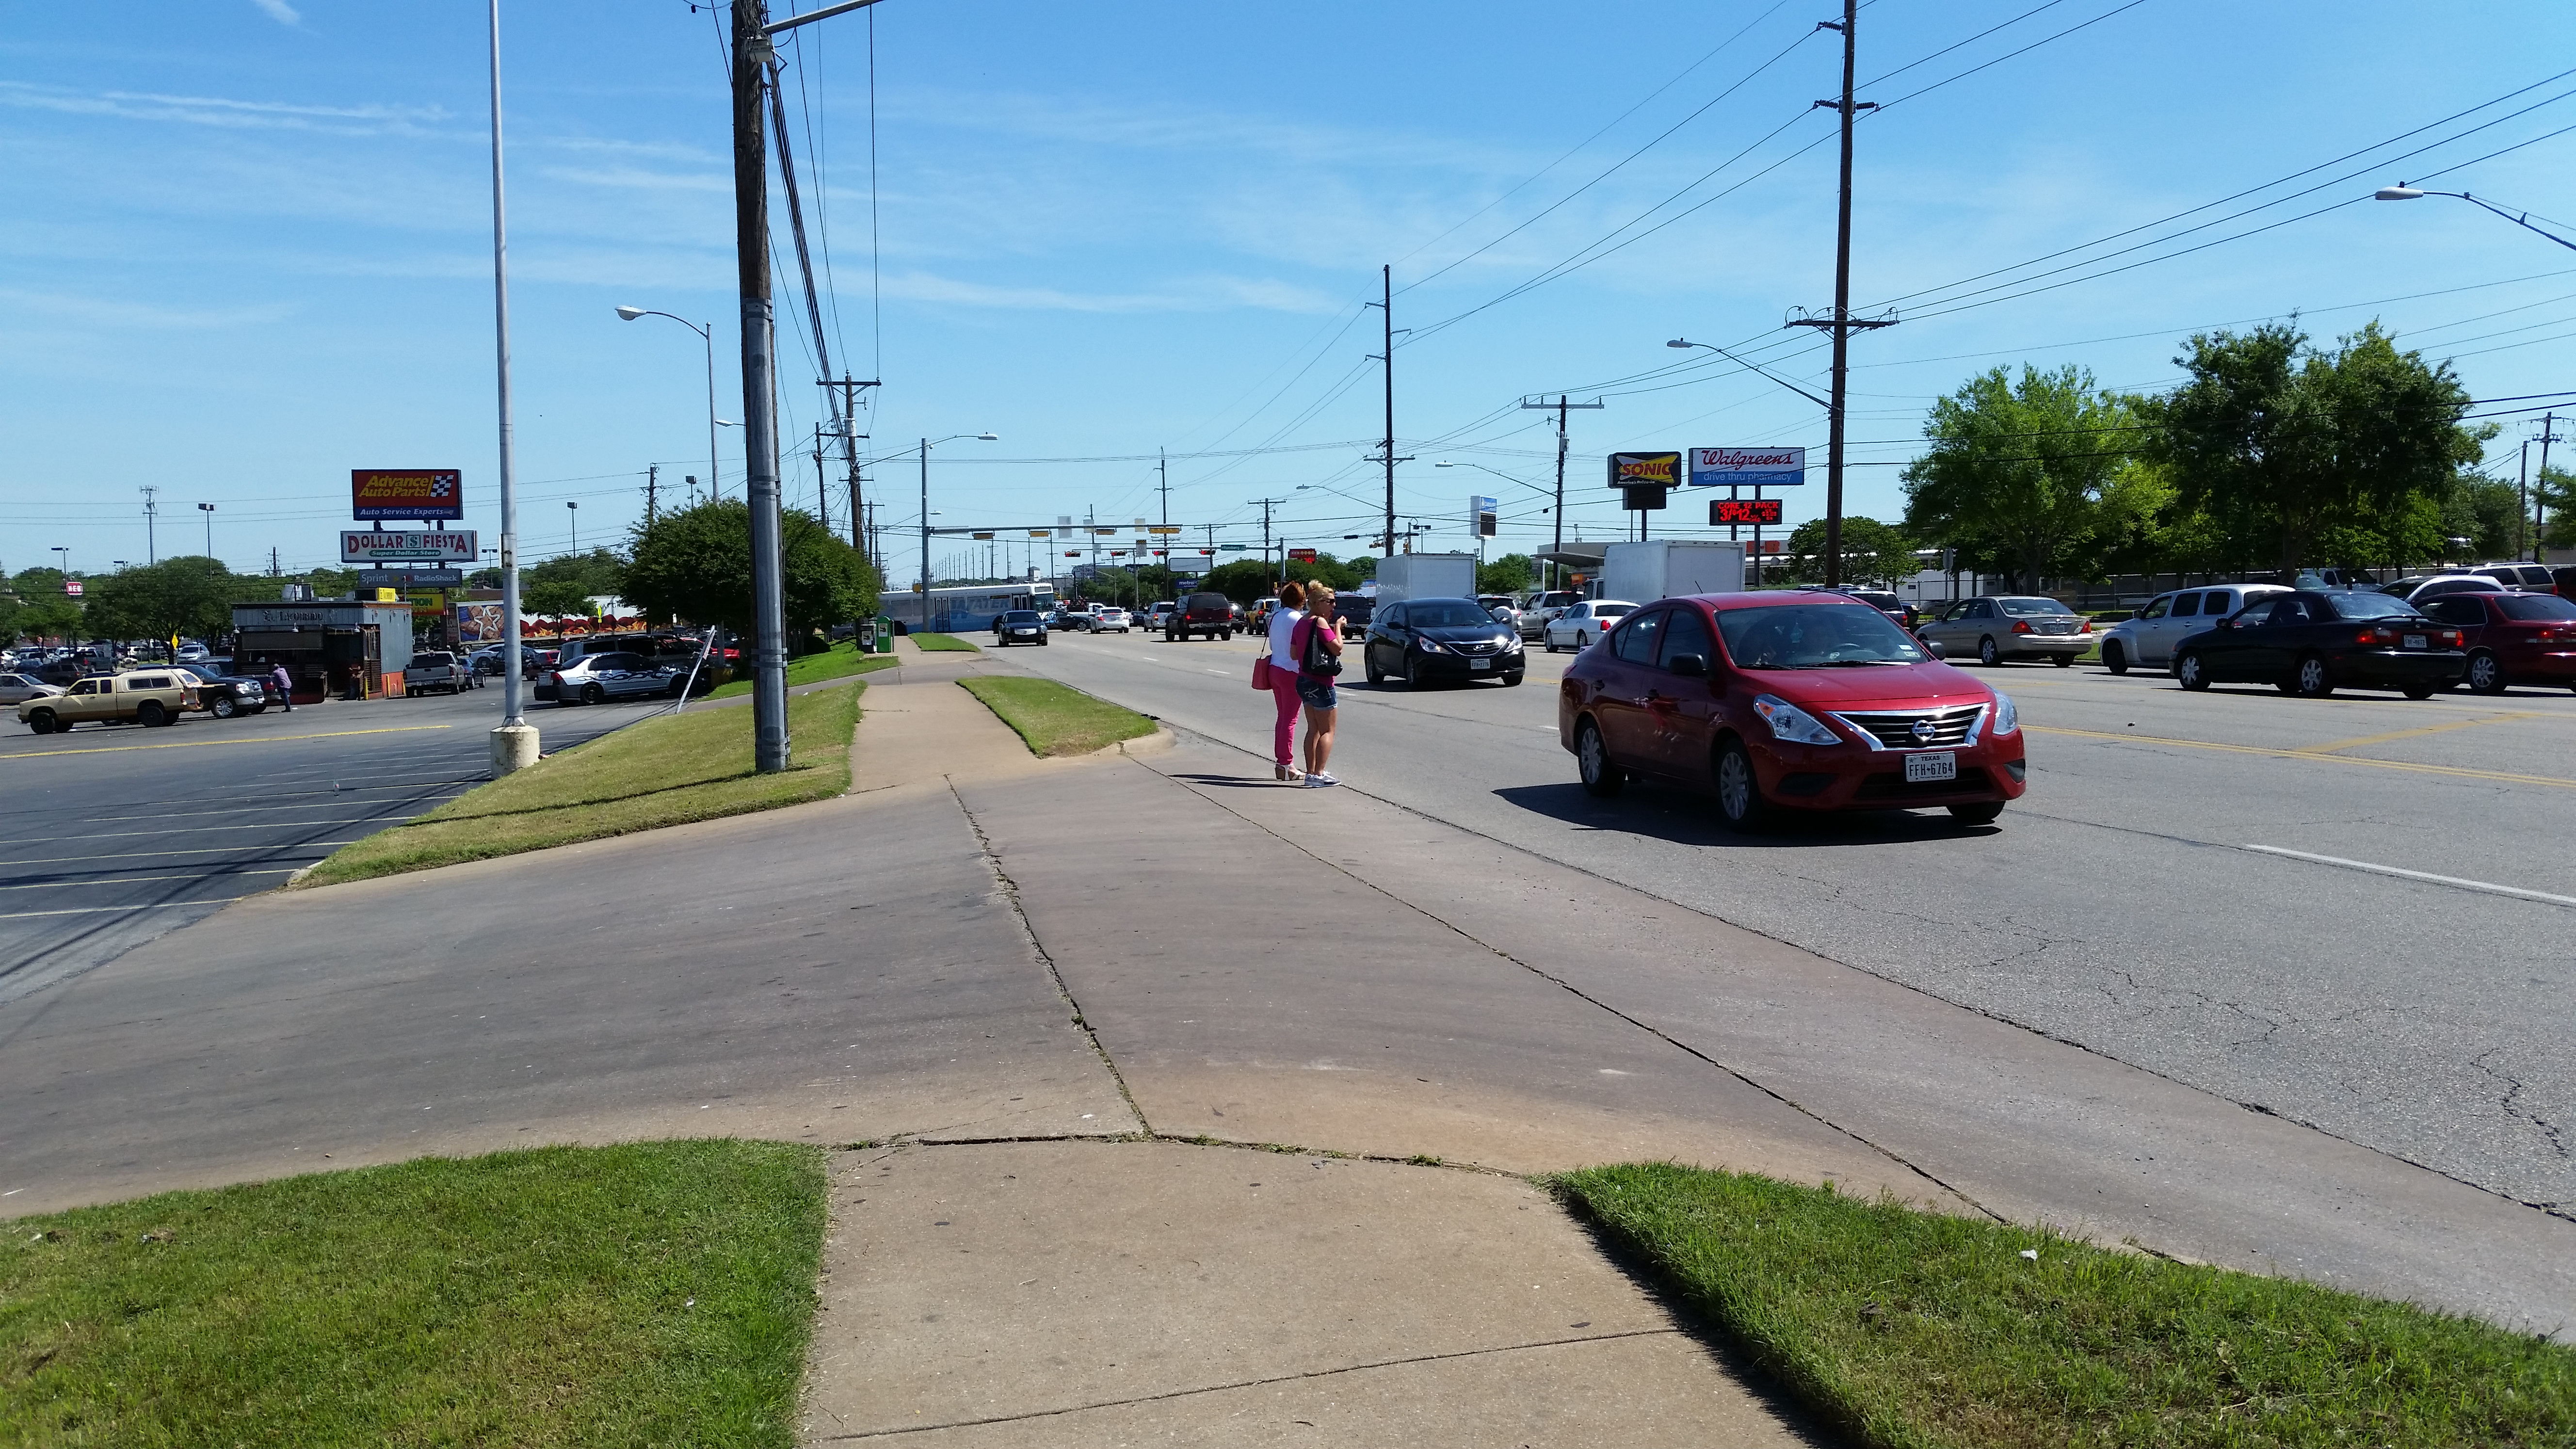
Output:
x=2348 y=912
x=117 y=835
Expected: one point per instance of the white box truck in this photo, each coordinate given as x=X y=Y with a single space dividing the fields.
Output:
x=1426 y=576
x=1664 y=568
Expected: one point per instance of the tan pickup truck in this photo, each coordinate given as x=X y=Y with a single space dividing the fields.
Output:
x=142 y=696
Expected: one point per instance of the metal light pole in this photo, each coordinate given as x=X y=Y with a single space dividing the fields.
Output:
x=514 y=742
x=706 y=334
x=2523 y=220
x=208 y=509
x=575 y=510
x=926 y=445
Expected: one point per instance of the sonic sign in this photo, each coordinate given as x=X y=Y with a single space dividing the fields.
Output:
x=1645 y=470
x=427 y=494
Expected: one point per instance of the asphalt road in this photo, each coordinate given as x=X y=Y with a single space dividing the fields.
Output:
x=118 y=834
x=2214 y=887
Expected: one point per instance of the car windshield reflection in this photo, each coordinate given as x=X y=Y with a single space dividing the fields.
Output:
x=1814 y=636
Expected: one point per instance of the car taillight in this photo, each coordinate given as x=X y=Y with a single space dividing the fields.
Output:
x=2021 y=626
x=2450 y=638
x=558 y=681
x=2556 y=636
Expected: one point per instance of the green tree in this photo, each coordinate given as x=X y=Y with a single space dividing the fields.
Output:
x=1873 y=552
x=1244 y=580
x=2277 y=440
x=557 y=598
x=43 y=610
x=694 y=564
x=1332 y=573
x=1506 y=575
x=2483 y=511
x=599 y=573
x=2028 y=478
x=190 y=596
x=2553 y=496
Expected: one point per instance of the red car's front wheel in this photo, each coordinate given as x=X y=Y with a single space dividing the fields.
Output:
x=1739 y=791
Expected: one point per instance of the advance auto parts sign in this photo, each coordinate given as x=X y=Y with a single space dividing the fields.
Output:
x=1645 y=470
x=427 y=494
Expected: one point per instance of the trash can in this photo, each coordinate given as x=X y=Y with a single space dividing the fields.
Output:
x=885 y=634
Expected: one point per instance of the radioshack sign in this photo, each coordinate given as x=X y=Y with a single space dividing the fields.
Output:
x=456 y=547
x=430 y=495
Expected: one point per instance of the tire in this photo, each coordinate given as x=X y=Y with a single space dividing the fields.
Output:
x=592 y=694
x=1739 y=790
x=2419 y=691
x=2486 y=674
x=1982 y=814
x=1412 y=673
x=1987 y=653
x=2064 y=661
x=2190 y=673
x=2309 y=679
x=151 y=715
x=41 y=722
x=1551 y=644
x=1368 y=662
x=1042 y=641
x=1510 y=680
x=224 y=707
x=2115 y=658
x=1601 y=779
x=679 y=687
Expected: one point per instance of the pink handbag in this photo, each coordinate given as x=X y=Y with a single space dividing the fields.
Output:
x=1261 y=673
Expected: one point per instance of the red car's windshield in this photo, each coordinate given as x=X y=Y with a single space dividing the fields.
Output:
x=1814 y=636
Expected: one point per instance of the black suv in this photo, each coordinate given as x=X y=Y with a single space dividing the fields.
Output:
x=1209 y=614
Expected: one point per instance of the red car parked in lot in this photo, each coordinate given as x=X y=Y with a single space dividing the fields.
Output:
x=2512 y=638
x=1786 y=701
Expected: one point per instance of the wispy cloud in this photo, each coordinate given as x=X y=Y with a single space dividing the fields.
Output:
x=279 y=11
x=222 y=111
x=1190 y=294
x=124 y=315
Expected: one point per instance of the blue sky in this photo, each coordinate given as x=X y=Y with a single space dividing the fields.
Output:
x=244 y=244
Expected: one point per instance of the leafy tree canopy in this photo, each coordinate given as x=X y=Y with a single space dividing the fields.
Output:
x=2029 y=477
x=1873 y=553
x=694 y=564
x=1506 y=575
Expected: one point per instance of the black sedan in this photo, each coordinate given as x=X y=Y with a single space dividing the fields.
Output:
x=2311 y=642
x=224 y=694
x=1422 y=640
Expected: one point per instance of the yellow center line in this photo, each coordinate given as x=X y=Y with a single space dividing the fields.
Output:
x=201 y=744
x=2281 y=754
x=2458 y=724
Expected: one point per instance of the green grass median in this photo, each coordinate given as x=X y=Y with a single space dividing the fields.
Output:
x=668 y=770
x=841 y=661
x=658 y=1293
x=935 y=643
x=1914 y=1330
x=1055 y=719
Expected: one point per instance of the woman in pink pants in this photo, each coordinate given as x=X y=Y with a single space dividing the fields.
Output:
x=1283 y=678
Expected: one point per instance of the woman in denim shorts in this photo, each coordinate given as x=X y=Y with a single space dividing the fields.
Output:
x=1318 y=641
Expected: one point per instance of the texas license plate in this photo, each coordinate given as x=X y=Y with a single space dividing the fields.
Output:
x=2415 y=641
x=1480 y=664
x=1925 y=768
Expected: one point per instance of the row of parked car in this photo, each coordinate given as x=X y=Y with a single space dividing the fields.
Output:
x=2414 y=635
x=146 y=694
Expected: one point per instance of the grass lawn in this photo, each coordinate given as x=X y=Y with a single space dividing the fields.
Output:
x=934 y=643
x=663 y=771
x=838 y=662
x=651 y=1294
x=1054 y=719
x=1917 y=1329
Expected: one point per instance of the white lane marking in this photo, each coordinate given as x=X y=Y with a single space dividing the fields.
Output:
x=106 y=910
x=65 y=885
x=156 y=854
x=2488 y=887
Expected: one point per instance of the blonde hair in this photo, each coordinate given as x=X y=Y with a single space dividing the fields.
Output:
x=1318 y=594
x=1293 y=594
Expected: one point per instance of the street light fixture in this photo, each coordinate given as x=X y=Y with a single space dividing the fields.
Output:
x=2408 y=193
x=706 y=334
x=208 y=509
x=575 y=509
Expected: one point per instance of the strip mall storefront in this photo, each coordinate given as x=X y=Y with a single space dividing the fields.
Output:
x=332 y=648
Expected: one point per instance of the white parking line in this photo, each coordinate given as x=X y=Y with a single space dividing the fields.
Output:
x=107 y=910
x=64 y=885
x=2488 y=887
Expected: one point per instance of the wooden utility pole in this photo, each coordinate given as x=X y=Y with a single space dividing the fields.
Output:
x=752 y=54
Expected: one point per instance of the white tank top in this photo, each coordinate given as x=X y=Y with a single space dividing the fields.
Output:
x=1283 y=630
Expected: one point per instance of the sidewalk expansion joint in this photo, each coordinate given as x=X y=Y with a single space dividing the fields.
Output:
x=1579 y=993
x=1307 y=1376
x=906 y=1141
x=1011 y=892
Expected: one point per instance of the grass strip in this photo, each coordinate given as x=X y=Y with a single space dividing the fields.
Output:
x=1055 y=719
x=1916 y=1330
x=657 y=1293
x=935 y=643
x=669 y=770
x=841 y=661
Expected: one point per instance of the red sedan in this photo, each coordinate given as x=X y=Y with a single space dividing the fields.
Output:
x=1787 y=701
x=2512 y=638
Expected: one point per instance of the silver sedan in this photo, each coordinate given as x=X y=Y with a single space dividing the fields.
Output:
x=1992 y=628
